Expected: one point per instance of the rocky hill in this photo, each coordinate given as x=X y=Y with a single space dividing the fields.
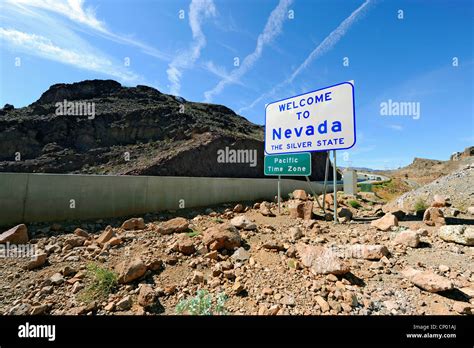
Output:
x=458 y=186
x=101 y=127
x=423 y=171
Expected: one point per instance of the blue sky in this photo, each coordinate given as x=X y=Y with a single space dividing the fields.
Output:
x=284 y=48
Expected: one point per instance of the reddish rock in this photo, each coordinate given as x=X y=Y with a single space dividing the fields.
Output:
x=146 y=296
x=75 y=241
x=154 y=264
x=408 y=238
x=463 y=308
x=81 y=233
x=238 y=208
x=106 y=235
x=186 y=245
x=296 y=208
x=265 y=210
x=175 y=225
x=300 y=194
x=434 y=216
x=223 y=236
x=439 y=201
x=134 y=224
x=321 y=260
x=130 y=270
x=386 y=222
x=114 y=241
x=427 y=280
x=198 y=277
x=322 y=303
x=368 y=252
x=38 y=261
x=308 y=210
x=243 y=222
x=15 y=235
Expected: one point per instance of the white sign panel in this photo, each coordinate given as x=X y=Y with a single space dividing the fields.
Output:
x=316 y=121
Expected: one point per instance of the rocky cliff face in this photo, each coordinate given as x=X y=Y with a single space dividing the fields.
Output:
x=101 y=127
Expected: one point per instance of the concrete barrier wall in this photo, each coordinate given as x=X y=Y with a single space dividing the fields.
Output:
x=58 y=197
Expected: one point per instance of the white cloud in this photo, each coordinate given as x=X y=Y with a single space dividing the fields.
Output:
x=43 y=47
x=72 y=9
x=327 y=44
x=198 y=11
x=76 y=12
x=273 y=28
x=219 y=71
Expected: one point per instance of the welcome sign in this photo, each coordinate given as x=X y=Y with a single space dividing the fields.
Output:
x=320 y=120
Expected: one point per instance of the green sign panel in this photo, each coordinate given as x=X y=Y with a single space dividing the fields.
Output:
x=297 y=164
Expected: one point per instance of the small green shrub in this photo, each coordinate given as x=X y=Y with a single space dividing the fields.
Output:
x=354 y=204
x=193 y=233
x=202 y=304
x=217 y=220
x=420 y=205
x=102 y=283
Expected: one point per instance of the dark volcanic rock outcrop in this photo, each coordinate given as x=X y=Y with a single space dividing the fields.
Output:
x=134 y=130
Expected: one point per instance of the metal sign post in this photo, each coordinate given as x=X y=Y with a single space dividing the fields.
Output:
x=325 y=182
x=312 y=191
x=279 y=199
x=335 y=186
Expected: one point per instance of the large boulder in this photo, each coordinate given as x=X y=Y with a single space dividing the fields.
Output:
x=386 y=222
x=38 y=260
x=225 y=236
x=265 y=209
x=146 y=296
x=15 y=235
x=439 y=201
x=321 y=260
x=461 y=234
x=308 y=210
x=300 y=194
x=186 y=245
x=409 y=238
x=434 y=216
x=130 y=270
x=427 y=280
x=296 y=208
x=175 y=225
x=243 y=222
